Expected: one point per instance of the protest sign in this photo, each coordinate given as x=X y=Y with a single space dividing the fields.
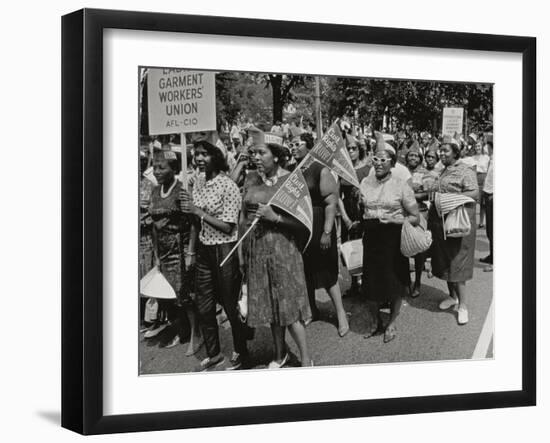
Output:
x=331 y=151
x=181 y=101
x=293 y=197
x=452 y=121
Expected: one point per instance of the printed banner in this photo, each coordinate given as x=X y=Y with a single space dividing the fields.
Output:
x=181 y=101
x=293 y=197
x=331 y=151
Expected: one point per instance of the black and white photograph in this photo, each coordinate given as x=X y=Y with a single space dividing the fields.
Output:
x=274 y=221
x=295 y=220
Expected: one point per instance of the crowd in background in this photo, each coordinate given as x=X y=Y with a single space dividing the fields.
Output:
x=190 y=222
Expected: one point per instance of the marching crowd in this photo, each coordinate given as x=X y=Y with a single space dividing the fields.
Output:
x=190 y=222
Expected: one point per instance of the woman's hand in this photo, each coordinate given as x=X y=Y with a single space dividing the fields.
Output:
x=265 y=212
x=243 y=158
x=186 y=203
x=242 y=268
x=325 y=241
x=347 y=222
x=388 y=219
x=414 y=220
x=417 y=187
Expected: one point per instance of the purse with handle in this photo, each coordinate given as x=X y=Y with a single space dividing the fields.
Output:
x=415 y=239
x=457 y=223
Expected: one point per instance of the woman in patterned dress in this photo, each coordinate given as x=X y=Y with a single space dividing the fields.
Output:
x=215 y=203
x=453 y=257
x=171 y=232
x=271 y=259
x=321 y=256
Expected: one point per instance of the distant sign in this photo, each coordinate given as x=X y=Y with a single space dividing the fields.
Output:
x=181 y=101
x=452 y=121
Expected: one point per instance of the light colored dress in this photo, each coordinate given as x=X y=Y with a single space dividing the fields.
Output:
x=453 y=258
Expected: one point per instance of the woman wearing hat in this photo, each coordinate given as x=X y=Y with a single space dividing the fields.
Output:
x=215 y=203
x=387 y=201
x=350 y=197
x=171 y=234
x=271 y=260
x=321 y=255
x=414 y=161
x=453 y=257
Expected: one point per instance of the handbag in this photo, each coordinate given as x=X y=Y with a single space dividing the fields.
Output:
x=242 y=304
x=352 y=255
x=415 y=239
x=457 y=223
x=151 y=310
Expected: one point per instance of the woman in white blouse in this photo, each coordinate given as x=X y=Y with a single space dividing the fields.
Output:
x=387 y=202
x=215 y=203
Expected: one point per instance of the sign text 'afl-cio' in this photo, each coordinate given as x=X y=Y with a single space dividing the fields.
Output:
x=181 y=101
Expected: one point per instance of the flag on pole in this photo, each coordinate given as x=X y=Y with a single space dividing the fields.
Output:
x=293 y=197
x=331 y=151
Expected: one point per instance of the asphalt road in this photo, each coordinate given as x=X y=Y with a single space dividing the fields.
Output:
x=423 y=331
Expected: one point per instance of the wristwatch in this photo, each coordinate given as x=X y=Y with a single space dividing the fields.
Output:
x=328 y=233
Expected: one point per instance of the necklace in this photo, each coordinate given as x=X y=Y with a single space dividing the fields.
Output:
x=270 y=181
x=163 y=194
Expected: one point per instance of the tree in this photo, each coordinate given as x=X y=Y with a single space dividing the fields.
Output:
x=417 y=104
x=241 y=95
x=281 y=87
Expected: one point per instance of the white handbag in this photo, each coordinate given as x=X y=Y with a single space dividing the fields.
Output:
x=352 y=255
x=242 y=304
x=457 y=223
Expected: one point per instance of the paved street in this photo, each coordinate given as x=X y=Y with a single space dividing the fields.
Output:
x=423 y=331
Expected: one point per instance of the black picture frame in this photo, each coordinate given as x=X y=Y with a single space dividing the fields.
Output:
x=82 y=220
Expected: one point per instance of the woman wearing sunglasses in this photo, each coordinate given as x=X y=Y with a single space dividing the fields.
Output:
x=387 y=201
x=321 y=255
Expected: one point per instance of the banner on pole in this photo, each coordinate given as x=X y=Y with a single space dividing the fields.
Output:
x=293 y=197
x=452 y=121
x=181 y=101
x=331 y=151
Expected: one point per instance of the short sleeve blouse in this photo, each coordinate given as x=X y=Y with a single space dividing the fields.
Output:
x=458 y=178
x=220 y=198
x=386 y=198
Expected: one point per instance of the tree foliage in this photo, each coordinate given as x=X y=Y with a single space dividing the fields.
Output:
x=242 y=95
x=414 y=104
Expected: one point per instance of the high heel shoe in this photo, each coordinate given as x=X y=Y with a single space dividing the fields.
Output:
x=192 y=351
x=276 y=365
x=342 y=332
x=389 y=334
